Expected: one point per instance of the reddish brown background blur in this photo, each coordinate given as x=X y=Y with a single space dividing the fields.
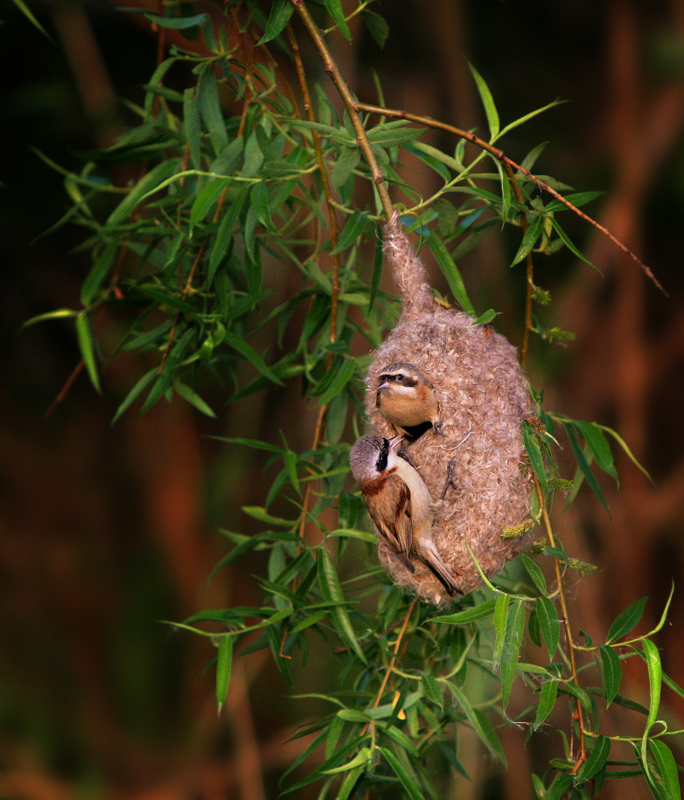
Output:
x=106 y=531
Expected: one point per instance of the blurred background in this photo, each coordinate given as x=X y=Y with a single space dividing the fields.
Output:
x=105 y=532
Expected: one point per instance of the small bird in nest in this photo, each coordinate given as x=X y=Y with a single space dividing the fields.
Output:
x=399 y=503
x=407 y=400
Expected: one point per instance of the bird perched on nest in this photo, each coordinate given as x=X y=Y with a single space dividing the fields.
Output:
x=399 y=504
x=407 y=400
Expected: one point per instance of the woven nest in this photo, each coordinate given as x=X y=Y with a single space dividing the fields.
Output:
x=483 y=400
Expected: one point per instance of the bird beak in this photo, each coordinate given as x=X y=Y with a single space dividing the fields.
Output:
x=395 y=442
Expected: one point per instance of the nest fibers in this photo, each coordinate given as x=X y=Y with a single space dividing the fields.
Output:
x=483 y=399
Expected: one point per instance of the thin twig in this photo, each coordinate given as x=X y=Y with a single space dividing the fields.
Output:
x=351 y=104
x=568 y=629
x=504 y=159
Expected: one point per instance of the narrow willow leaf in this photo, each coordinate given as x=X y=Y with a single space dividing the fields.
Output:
x=205 y=201
x=439 y=155
x=487 y=735
x=468 y=615
x=210 y=110
x=86 y=345
x=532 y=234
x=60 y=313
x=177 y=23
x=451 y=273
x=534 y=452
x=130 y=398
x=625 y=447
x=597 y=760
x=224 y=664
x=598 y=444
x=667 y=767
x=547 y=701
x=527 y=117
x=511 y=649
x=353 y=229
x=501 y=609
x=583 y=464
x=339 y=381
x=350 y=782
x=26 y=11
x=346 y=162
x=566 y=241
x=168 y=371
x=506 y=194
x=193 y=398
x=192 y=127
x=281 y=11
x=337 y=13
x=259 y=202
x=549 y=624
x=626 y=620
x=100 y=268
x=559 y=787
x=412 y=788
x=655 y=680
x=393 y=133
x=534 y=571
x=332 y=592
x=145 y=186
x=224 y=234
x=488 y=103
x=250 y=354
x=612 y=672
x=377 y=26
x=577 y=691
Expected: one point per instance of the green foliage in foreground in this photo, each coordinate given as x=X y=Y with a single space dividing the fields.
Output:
x=189 y=254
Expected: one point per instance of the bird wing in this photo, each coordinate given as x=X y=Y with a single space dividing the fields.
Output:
x=394 y=521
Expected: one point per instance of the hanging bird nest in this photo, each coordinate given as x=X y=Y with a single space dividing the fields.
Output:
x=475 y=464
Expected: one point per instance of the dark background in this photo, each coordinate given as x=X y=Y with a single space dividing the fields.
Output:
x=106 y=531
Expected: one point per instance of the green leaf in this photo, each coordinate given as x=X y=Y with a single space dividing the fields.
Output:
x=547 y=700
x=224 y=663
x=488 y=103
x=340 y=380
x=140 y=385
x=566 y=240
x=583 y=465
x=438 y=155
x=100 y=268
x=177 y=23
x=481 y=725
x=346 y=162
x=355 y=226
x=468 y=615
x=655 y=680
x=205 y=201
x=393 y=133
x=534 y=571
x=549 y=624
x=210 y=110
x=511 y=649
x=532 y=234
x=612 y=672
x=667 y=767
x=193 y=398
x=377 y=26
x=451 y=273
x=86 y=345
x=501 y=609
x=192 y=127
x=597 y=759
x=626 y=620
x=534 y=452
x=332 y=592
x=281 y=11
x=145 y=186
x=26 y=11
x=336 y=12
x=246 y=350
x=598 y=444
x=527 y=117
x=405 y=779
x=224 y=234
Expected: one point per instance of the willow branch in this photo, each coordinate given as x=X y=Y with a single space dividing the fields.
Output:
x=568 y=630
x=505 y=160
x=351 y=104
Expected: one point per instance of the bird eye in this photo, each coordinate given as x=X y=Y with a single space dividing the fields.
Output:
x=400 y=378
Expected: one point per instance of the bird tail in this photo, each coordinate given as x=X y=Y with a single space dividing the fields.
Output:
x=429 y=554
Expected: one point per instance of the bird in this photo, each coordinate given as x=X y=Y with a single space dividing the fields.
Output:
x=407 y=400
x=399 y=503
